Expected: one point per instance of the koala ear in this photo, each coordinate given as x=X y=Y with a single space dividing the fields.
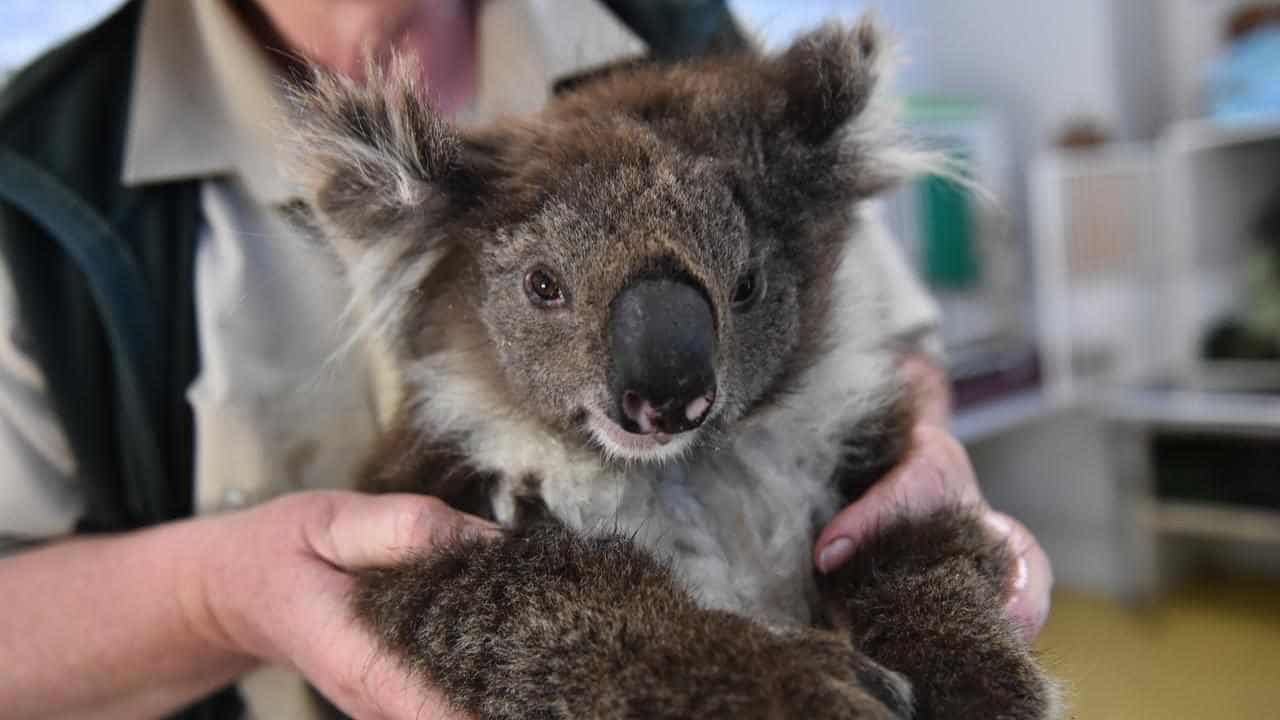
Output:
x=837 y=102
x=379 y=166
x=830 y=75
x=382 y=175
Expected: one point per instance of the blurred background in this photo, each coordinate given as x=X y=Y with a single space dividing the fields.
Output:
x=1112 y=310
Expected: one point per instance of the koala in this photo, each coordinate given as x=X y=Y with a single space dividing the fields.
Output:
x=643 y=331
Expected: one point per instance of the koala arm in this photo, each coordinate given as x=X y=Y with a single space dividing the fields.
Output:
x=925 y=597
x=545 y=623
x=924 y=593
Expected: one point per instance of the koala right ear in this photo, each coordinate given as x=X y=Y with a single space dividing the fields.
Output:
x=379 y=166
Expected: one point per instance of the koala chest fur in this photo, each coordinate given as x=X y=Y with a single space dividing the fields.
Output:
x=738 y=526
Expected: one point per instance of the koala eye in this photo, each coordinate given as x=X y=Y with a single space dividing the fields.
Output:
x=749 y=289
x=542 y=287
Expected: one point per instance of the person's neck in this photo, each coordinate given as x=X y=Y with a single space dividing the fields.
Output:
x=445 y=43
x=339 y=35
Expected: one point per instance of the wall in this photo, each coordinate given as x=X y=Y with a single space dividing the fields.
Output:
x=1040 y=63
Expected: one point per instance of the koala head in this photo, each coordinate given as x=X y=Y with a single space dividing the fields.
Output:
x=637 y=268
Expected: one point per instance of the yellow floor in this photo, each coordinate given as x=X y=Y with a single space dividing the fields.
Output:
x=1208 y=651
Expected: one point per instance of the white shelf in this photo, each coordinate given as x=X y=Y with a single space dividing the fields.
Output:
x=1202 y=134
x=997 y=416
x=1194 y=409
x=1219 y=522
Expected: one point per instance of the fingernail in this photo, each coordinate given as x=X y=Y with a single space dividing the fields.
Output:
x=835 y=554
x=1021 y=576
x=480 y=522
x=484 y=528
x=998 y=524
x=1028 y=610
x=470 y=528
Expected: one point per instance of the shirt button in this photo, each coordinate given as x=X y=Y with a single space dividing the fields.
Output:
x=233 y=499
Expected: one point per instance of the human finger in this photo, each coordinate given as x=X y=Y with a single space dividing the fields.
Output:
x=362 y=531
x=936 y=473
x=1031 y=578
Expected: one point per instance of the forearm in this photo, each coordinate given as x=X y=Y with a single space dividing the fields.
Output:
x=112 y=626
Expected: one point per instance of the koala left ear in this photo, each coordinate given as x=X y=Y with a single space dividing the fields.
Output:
x=382 y=175
x=379 y=166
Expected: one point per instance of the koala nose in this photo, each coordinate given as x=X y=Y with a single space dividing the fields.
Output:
x=662 y=344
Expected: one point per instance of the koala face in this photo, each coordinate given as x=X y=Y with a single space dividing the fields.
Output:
x=637 y=268
x=637 y=303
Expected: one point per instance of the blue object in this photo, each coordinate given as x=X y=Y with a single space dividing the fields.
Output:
x=1243 y=85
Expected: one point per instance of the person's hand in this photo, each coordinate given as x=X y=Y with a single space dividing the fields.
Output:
x=281 y=591
x=937 y=473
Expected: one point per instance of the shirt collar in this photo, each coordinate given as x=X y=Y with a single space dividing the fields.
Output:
x=206 y=100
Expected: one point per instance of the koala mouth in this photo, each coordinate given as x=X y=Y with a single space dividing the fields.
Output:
x=617 y=442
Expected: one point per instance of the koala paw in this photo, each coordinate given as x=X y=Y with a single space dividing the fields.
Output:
x=824 y=678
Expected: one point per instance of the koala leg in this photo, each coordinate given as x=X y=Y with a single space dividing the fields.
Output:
x=925 y=598
x=545 y=623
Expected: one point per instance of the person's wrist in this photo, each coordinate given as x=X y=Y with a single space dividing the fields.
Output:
x=241 y=553
x=206 y=597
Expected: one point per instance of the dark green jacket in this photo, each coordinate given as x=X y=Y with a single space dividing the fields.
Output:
x=103 y=277
x=104 y=273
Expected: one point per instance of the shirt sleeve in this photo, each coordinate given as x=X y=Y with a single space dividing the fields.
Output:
x=915 y=321
x=39 y=495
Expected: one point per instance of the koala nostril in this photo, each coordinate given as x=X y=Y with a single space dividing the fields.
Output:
x=696 y=410
x=639 y=411
x=633 y=405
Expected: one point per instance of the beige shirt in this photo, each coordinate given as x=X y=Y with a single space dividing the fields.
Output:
x=282 y=402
